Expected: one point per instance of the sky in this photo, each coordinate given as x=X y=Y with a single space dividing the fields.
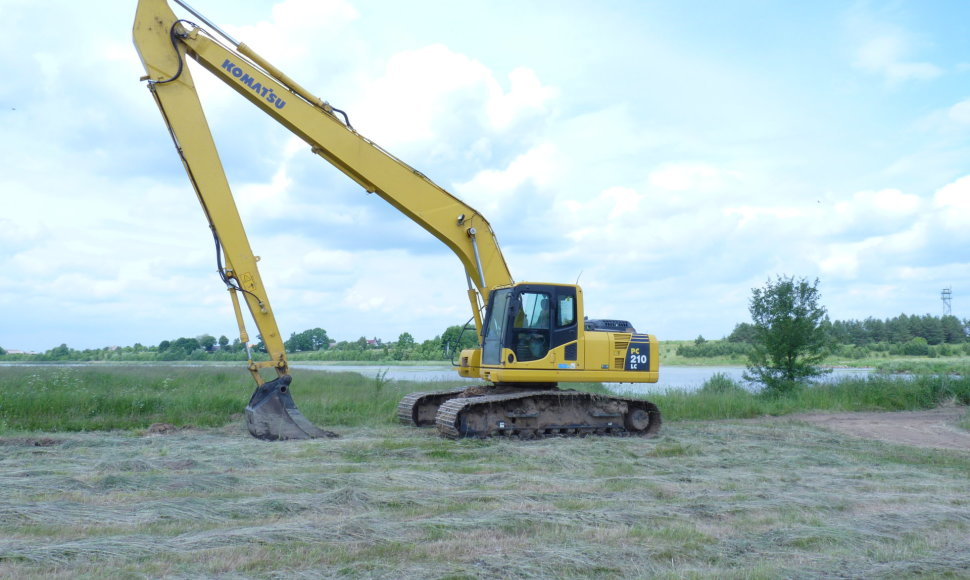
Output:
x=668 y=156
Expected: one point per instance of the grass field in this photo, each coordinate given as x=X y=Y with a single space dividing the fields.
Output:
x=86 y=491
x=713 y=499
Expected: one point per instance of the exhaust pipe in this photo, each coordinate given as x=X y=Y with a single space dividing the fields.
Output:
x=272 y=415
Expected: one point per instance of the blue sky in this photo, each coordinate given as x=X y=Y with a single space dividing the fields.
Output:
x=670 y=156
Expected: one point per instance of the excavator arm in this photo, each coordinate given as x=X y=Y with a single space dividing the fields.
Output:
x=164 y=43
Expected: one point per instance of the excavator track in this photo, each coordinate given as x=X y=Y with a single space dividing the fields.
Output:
x=419 y=409
x=547 y=413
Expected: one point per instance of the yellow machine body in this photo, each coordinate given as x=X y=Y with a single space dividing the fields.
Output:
x=559 y=350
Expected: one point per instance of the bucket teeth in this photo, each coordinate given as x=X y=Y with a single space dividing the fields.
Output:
x=272 y=415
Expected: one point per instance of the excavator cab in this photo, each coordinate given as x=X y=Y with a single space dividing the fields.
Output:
x=536 y=334
x=527 y=321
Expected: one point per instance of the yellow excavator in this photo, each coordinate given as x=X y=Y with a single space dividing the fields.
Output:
x=532 y=336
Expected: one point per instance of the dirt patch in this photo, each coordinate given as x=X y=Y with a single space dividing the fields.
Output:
x=936 y=428
x=162 y=429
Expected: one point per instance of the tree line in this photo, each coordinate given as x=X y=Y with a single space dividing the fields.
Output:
x=310 y=344
x=901 y=329
x=909 y=335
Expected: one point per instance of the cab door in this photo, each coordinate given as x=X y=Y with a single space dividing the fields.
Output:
x=497 y=318
x=565 y=321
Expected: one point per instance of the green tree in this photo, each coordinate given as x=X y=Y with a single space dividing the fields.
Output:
x=457 y=338
x=917 y=347
x=931 y=328
x=207 y=342
x=953 y=329
x=404 y=346
x=185 y=345
x=899 y=329
x=223 y=342
x=405 y=341
x=876 y=329
x=2 y=352
x=789 y=338
x=61 y=352
x=743 y=332
x=312 y=339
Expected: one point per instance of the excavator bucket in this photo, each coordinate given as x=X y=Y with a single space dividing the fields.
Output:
x=272 y=415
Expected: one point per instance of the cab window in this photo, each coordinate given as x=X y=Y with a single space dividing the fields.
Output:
x=533 y=310
x=566 y=315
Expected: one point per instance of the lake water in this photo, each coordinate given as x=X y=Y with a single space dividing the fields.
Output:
x=671 y=377
x=692 y=378
x=421 y=373
x=684 y=378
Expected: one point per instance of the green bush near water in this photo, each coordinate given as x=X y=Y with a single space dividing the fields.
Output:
x=722 y=398
x=58 y=398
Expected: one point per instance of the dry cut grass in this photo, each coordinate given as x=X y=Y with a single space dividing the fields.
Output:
x=719 y=499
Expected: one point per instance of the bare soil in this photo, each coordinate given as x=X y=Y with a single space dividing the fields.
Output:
x=936 y=428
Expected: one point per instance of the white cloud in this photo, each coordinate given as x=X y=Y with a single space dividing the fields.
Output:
x=762 y=217
x=888 y=202
x=267 y=198
x=869 y=213
x=297 y=28
x=492 y=191
x=428 y=92
x=897 y=233
x=953 y=203
x=960 y=113
x=328 y=260
x=886 y=49
x=526 y=95
x=886 y=56
x=841 y=261
x=368 y=292
x=692 y=176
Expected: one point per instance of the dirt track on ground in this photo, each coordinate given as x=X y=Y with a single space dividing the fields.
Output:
x=936 y=428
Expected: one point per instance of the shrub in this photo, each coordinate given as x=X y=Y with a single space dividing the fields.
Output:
x=917 y=347
x=721 y=383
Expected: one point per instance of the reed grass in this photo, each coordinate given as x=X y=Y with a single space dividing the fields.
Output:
x=93 y=398
x=720 y=398
x=96 y=398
